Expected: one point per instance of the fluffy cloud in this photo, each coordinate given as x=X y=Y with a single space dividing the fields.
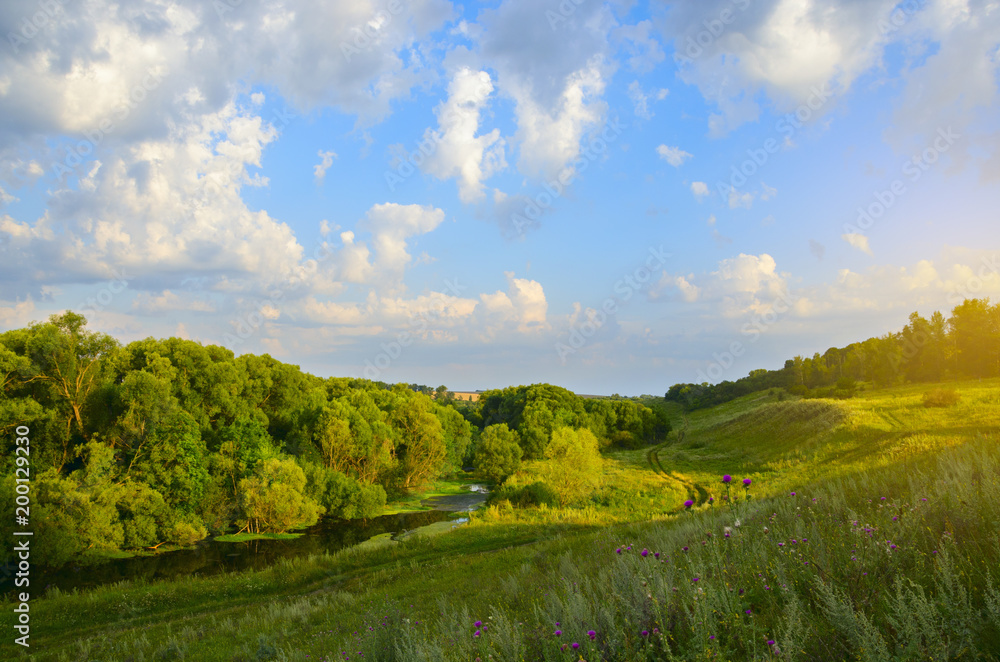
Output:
x=555 y=76
x=858 y=241
x=319 y=170
x=787 y=49
x=700 y=189
x=675 y=156
x=458 y=151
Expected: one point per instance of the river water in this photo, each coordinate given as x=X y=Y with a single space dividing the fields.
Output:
x=210 y=557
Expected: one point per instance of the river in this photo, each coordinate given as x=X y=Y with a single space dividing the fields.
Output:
x=210 y=557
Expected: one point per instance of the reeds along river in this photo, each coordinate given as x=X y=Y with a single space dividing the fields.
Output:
x=211 y=557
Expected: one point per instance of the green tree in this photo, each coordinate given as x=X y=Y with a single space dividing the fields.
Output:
x=574 y=466
x=272 y=499
x=498 y=453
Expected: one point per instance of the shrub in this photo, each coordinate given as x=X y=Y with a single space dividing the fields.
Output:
x=941 y=397
x=526 y=496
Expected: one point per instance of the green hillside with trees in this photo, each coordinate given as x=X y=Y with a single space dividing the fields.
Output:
x=964 y=345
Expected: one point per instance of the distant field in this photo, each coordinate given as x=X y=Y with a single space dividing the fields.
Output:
x=837 y=587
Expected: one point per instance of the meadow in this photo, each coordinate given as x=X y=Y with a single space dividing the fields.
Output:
x=869 y=530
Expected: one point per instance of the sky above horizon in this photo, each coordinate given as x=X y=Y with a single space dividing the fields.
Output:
x=612 y=197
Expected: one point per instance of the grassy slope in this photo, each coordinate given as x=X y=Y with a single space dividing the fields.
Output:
x=309 y=606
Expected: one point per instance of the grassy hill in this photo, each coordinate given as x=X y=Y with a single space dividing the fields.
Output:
x=871 y=532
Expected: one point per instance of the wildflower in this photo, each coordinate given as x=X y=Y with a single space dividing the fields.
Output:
x=656 y=554
x=737 y=523
x=558 y=633
x=645 y=633
x=883 y=498
x=727 y=478
x=645 y=553
x=591 y=634
x=894 y=518
x=656 y=630
x=770 y=642
x=746 y=482
x=477 y=633
x=619 y=550
x=711 y=500
x=688 y=503
x=711 y=636
x=696 y=579
x=575 y=645
x=741 y=591
x=781 y=544
x=478 y=624
x=793 y=493
x=749 y=612
x=685 y=548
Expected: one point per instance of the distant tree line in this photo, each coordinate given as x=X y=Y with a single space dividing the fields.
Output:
x=965 y=345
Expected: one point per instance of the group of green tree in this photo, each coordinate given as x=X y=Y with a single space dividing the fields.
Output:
x=169 y=441
x=964 y=345
x=545 y=422
x=166 y=441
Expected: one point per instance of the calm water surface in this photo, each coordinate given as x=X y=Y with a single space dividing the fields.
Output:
x=210 y=557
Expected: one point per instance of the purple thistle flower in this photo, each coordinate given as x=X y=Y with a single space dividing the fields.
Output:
x=645 y=633
x=770 y=642
x=656 y=554
x=793 y=493
x=645 y=553
x=575 y=645
x=619 y=550
x=477 y=633
x=711 y=636
x=558 y=633
x=688 y=503
x=727 y=478
x=746 y=482
x=749 y=612
x=685 y=548
x=591 y=634
x=478 y=624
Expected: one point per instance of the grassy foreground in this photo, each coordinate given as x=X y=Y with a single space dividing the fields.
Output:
x=872 y=532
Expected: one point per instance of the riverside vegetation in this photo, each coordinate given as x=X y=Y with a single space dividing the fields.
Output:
x=861 y=528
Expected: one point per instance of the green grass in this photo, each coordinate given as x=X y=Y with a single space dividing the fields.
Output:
x=410 y=502
x=244 y=537
x=520 y=572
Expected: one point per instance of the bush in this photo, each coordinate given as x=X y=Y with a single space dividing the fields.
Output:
x=941 y=397
x=526 y=496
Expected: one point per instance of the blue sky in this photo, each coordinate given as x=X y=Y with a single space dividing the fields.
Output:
x=250 y=174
